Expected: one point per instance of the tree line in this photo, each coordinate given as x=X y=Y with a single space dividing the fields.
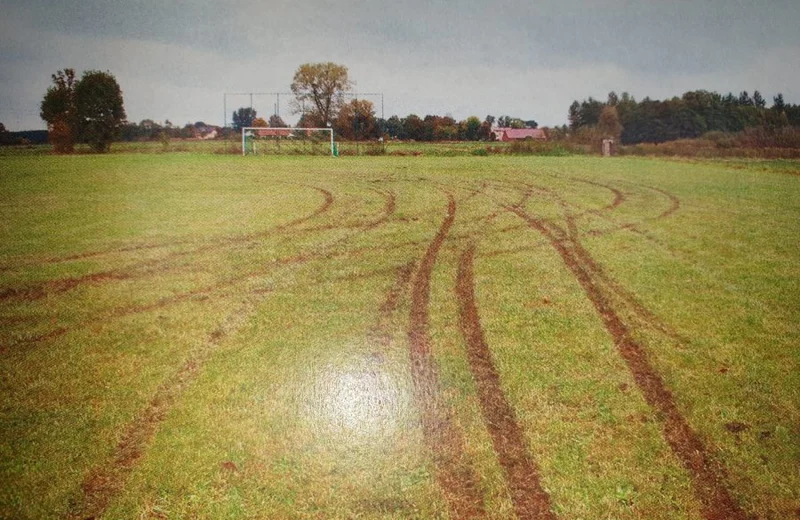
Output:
x=357 y=120
x=321 y=90
x=90 y=110
x=691 y=115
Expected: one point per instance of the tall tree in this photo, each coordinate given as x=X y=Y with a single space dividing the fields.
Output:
x=609 y=125
x=100 y=109
x=58 y=110
x=758 y=99
x=778 y=103
x=275 y=121
x=574 y=115
x=393 y=127
x=413 y=127
x=322 y=87
x=745 y=99
x=469 y=129
x=356 y=120
x=243 y=117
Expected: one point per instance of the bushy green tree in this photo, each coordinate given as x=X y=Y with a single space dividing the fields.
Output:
x=100 y=109
x=59 y=112
x=758 y=100
x=469 y=129
x=414 y=127
x=393 y=127
x=243 y=117
x=778 y=103
x=90 y=109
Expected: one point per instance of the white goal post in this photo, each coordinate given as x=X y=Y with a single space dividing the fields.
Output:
x=278 y=134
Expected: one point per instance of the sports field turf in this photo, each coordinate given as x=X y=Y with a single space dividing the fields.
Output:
x=201 y=336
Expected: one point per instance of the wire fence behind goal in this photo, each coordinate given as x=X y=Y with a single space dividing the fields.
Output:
x=288 y=141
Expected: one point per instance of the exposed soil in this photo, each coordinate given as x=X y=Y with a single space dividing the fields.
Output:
x=378 y=334
x=675 y=202
x=708 y=476
x=392 y=299
x=619 y=197
x=103 y=482
x=529 y=498
x=457 y=480
x=124 y=249
x=736 y=427
x=646 y=315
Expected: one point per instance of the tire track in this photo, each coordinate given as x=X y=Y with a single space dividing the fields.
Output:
x=647 y=317
x=444 y=440
x=150 y=267
x=530 y=500
x=324 y=254
x=206 y=291
x=105 y=481
x=707 y=475
x=675 y=202
x=139 y=247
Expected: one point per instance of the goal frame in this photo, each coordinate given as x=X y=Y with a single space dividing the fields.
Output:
x=291 y=129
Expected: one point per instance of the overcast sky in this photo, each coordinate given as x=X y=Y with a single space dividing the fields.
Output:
x=528 y=59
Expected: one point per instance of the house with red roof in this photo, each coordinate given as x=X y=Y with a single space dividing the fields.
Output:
x=518 y=134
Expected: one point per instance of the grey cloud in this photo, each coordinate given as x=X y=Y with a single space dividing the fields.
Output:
x=175 y=59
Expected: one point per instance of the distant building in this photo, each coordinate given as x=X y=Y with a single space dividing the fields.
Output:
x=273 y=132
x=518 y=134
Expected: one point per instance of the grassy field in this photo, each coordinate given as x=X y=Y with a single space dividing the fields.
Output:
x=212 y=336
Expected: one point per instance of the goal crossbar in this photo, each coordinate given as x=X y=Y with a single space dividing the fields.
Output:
x=282 y=133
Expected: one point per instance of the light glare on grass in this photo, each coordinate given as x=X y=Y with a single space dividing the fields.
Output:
x=364 y=401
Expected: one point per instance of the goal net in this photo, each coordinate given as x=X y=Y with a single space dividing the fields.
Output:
x=287 y=141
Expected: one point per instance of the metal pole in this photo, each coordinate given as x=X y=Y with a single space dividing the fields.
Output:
x=382 y=116
x=224 y=110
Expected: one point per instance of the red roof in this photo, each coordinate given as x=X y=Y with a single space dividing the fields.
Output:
x=520 y=133
x=273 y=132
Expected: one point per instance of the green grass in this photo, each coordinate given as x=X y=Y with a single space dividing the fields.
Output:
x=252 y=329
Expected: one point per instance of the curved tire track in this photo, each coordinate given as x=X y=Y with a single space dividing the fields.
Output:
x=155 y=266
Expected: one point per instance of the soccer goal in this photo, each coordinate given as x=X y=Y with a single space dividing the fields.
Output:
x=288 y=141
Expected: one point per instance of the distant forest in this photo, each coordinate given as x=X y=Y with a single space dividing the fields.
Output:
x=692 y=115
